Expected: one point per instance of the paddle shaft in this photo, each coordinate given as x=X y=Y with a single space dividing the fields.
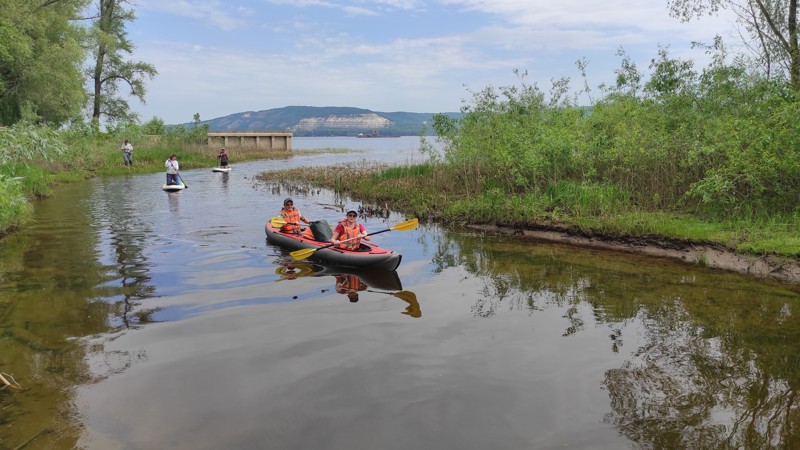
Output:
x=306 y=252
x=181 y=178
x=352 y=238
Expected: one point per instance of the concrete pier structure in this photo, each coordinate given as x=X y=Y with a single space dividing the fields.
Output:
x=266 y=140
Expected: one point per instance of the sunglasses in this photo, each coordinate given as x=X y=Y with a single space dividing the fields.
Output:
x=352 y=215
x=288 y=204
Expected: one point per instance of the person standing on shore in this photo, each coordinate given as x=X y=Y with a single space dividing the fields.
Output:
x=127 y=153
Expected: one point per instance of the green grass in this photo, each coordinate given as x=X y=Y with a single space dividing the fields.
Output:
x=15 y=210
x=431 y=191
x=87 y=158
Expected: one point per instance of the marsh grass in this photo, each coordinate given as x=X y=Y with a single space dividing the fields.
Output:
x=433 y=191
x=15 y=210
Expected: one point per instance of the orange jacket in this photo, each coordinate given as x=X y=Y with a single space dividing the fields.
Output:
x=292 y=221
x=344 y=232
x=345 y=283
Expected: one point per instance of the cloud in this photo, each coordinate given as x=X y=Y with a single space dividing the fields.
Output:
x=213 y=12
x=396 y=55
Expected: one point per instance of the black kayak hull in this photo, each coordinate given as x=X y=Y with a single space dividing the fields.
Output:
x=372 y=257
x=375 y=278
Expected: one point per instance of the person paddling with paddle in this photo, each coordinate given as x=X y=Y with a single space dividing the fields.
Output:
x=223 y=158
x=304 y=253
x=172 y=169
x=292 y=216
x=348 y=233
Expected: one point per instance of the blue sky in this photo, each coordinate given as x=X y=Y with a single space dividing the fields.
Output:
x=218 y=57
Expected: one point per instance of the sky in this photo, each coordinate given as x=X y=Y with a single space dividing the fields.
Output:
x=221 y=57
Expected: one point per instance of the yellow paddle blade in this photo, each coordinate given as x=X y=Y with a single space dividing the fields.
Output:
x=277 y=222
x=407 y=225
x=408 y=296
x=303 y=253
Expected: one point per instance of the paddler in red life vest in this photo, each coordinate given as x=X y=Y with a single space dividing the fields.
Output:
x=349 y=229
x=292 y=217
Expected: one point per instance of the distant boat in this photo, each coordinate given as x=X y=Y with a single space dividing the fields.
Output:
x=374 y=134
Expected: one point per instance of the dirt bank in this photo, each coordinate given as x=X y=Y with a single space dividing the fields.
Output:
x=773 y=267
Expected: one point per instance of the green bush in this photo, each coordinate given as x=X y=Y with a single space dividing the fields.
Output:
x=15 y=210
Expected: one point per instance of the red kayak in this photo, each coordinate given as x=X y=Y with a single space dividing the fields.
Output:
x=368 y=255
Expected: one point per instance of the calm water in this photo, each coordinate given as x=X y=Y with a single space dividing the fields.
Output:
x=137 y=319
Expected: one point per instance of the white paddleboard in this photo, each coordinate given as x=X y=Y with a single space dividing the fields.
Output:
x=173 y=187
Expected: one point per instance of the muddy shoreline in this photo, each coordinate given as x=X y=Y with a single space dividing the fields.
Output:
x=714 y=256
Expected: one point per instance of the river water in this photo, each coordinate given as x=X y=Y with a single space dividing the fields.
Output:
x=137 y=319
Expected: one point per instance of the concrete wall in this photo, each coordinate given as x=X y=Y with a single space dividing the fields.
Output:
x=266 y=140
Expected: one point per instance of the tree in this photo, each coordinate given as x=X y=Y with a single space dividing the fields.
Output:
x=110 y=47
x=770 y=24
x=41 y=78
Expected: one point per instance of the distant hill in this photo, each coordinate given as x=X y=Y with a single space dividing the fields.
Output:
x=327 y=121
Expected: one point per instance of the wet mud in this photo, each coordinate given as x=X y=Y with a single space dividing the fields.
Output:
x=706 y=255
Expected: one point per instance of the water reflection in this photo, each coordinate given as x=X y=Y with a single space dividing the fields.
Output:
x=349 y=285
x=126 y=236
x=719 y=366
x=350 y=282
x=174 y=201
x=654 y=354
x=413 y=308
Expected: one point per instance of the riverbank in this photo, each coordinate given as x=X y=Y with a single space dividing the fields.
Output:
x=26 y=181
x=773 y=267
x=767 y=251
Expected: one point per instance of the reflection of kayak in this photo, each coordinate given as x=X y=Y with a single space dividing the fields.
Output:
x=375 y=278
x=173 y=187
x=221 y=169
x=297 y=270
x=369 y=255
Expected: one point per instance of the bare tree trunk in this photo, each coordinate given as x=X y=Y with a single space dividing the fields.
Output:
x=794 y=56
x=106 y=13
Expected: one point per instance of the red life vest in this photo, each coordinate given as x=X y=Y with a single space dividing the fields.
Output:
x=350 y=232
x=293 y=221
x=345 y=283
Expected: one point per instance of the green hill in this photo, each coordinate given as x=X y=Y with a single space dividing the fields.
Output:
x=327 y=121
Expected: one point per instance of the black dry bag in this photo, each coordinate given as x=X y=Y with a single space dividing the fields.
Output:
x=322 y=231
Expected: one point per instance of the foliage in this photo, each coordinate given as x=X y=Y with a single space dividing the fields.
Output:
x=110 y=46
x=155 y=127
x=25 y=143
x=40 y=61
x=721 y=142
x=768 y=29
x=15 y=210
x=180 y=135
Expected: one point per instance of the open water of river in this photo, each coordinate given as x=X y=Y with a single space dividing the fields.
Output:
x=137 y=319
